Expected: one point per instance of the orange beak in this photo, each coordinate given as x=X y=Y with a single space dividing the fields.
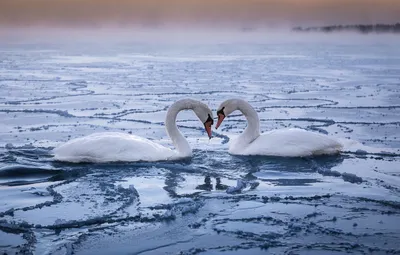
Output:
x=207 y=127
x=221 y=118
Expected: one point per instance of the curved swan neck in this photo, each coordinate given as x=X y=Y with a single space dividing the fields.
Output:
x=252 y=130
x=173 y=132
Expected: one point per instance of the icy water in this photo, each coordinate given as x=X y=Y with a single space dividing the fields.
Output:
x=341 y=204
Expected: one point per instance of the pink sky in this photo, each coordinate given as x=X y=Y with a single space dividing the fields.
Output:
x=158 y=13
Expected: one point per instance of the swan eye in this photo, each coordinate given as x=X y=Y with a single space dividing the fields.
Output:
x=221 y=111
x=209 y=119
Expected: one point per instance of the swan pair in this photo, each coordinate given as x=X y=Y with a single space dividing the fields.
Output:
x=113 y=146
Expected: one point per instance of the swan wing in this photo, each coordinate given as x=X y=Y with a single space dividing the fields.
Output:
x=111 y=147
x=292 y=142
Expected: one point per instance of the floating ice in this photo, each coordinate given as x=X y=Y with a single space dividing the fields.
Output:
x=241 y=185
x=9 y=146
x=351 y=178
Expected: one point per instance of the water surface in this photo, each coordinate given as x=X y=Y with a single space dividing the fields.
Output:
x=341 y=204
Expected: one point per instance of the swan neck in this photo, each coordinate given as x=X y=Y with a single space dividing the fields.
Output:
x=179 y=141
x=252 y=130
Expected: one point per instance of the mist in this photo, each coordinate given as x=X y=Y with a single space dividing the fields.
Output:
x=190 y=21
x=249 y=14
x=179 y=36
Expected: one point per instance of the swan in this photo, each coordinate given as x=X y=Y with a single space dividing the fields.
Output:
x=288 y=142
x=114 y=146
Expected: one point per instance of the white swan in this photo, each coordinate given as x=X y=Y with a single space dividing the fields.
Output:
x=290 y=142
x=113 y=146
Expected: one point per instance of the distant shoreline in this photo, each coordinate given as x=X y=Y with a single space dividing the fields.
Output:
x=363 y=29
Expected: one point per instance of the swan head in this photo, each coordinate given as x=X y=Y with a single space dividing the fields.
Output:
x=225 y=108
x=205 y=115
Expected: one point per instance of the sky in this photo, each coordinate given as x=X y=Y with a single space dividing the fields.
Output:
x=206 y=13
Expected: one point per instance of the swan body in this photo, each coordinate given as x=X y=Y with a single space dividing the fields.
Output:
x=289 y=142
x=114 y=146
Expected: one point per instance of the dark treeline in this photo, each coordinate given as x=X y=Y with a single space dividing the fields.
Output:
x=365 y=29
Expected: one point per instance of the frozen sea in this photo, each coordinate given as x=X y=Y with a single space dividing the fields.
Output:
x=348 y=203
